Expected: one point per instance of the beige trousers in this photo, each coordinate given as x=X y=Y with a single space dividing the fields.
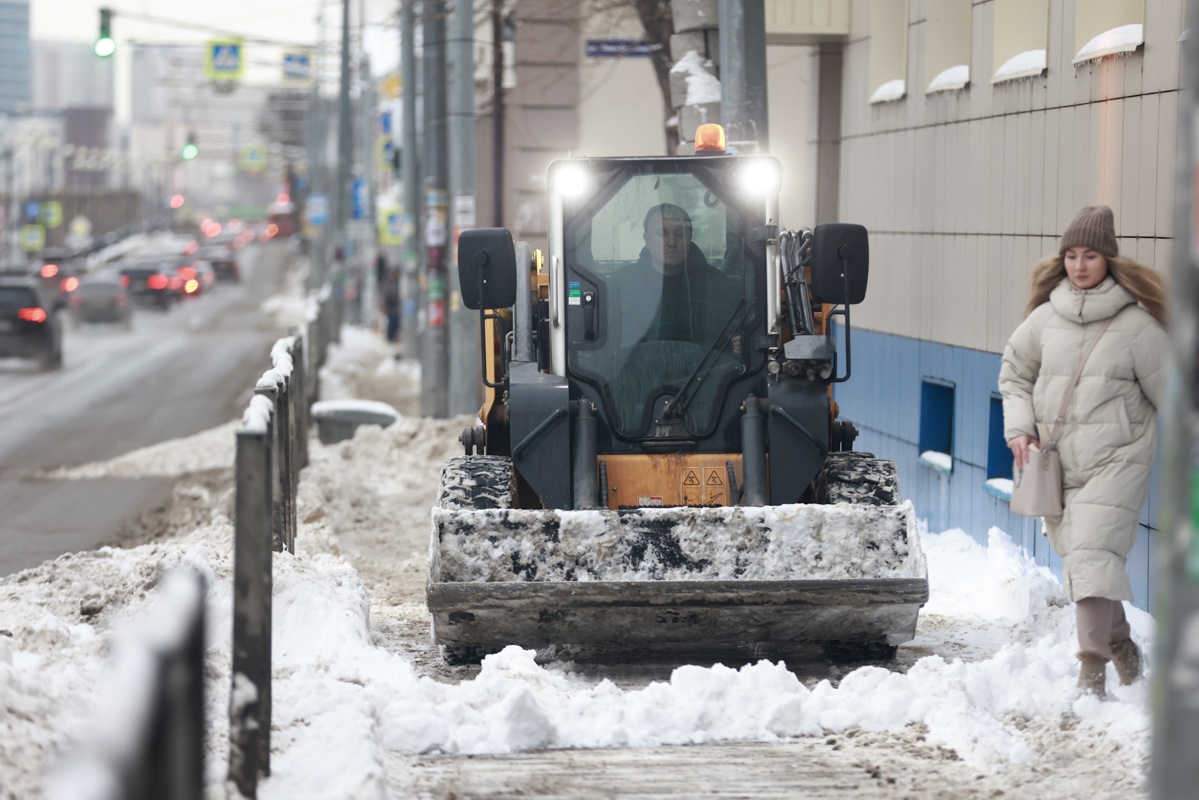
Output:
x=1101 y=623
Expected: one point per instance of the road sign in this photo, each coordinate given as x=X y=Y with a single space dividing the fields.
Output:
x=253 y=158
x=33 y=238
x=224 y=59
x=619 y=48
x=80 y=226
x=31 y=210
x=392 y=225
x=52 y=213
x=358 y=199
x=297 y=66
x=317 y=209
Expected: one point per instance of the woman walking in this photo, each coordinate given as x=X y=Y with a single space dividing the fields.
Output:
x=1108 y=436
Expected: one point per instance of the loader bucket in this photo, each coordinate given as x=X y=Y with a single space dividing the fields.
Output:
x=759 y=582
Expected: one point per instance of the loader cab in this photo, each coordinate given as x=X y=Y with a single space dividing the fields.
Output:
x=663 y=263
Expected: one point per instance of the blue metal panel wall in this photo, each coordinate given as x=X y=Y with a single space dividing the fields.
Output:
x=883 y=399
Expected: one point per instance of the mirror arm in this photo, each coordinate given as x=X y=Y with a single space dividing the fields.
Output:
x=484 y=315
x=843 y=312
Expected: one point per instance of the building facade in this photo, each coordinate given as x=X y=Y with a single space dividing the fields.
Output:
x=16 y=84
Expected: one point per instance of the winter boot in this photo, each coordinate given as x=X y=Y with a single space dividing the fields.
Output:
x=1126 y=658
x=1092 y=675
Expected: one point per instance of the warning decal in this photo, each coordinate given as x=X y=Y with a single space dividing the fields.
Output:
x=692 y=478
x=714 y=478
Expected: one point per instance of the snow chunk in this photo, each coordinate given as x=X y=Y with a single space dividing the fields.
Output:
x=257 y=416
x=941 y=462
x=702 y=85
x=1123 y=39
x=891 y=90
x=952 y=78
x=1028 y=64
x=365 y=407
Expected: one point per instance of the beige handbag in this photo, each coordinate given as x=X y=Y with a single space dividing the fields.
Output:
x=1037 y=489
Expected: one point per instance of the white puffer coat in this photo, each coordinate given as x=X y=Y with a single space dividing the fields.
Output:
x=1108 y=439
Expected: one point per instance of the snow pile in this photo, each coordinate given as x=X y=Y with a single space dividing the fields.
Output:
x=891 y=90
x=1123 y=39
x=790 y=542
x=702 y=85
x=1028 y=64
x=206 y=450
x=952 y=78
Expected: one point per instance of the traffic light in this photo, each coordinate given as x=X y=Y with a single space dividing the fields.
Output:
x=105 y=46
x=191 y=149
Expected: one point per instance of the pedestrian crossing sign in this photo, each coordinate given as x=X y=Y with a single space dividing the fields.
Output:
x=33 y=238
x=224 y=59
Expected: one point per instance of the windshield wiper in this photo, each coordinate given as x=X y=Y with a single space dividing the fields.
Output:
x=678 y=404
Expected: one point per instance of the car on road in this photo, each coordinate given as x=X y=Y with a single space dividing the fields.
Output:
x=223 y=259
x=28 y=325
x=54 y=270
x=149 y=283
x=101 y=298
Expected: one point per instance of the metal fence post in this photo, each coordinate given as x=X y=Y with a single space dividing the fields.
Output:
x=270 y=391
x=250 y=700
x=300 y=398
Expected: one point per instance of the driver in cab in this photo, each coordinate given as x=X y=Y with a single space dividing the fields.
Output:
x=672 y=293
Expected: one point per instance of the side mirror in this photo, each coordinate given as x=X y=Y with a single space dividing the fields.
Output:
x=840 y=263
x=487 y=268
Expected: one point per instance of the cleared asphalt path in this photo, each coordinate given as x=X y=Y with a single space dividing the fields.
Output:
x=175 y=374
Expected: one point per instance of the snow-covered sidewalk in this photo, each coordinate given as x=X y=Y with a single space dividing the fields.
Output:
x=358 y=688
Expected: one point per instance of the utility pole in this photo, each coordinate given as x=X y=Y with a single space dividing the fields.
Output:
x=345 y=143
x=465 y=384
x=497 y=110
x=1175 y=695
x=409 y=289
x=434 y=171
x=743 y=74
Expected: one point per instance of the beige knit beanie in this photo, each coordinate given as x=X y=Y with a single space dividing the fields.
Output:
x=1095 y=229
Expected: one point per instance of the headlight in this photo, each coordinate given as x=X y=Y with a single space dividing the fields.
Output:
x=759 y=177
x=571 y=180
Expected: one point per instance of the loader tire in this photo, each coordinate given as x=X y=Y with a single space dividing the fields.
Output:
x=861 y=479
x=471 y=483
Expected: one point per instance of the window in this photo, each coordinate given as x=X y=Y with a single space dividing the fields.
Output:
x=1021 y=39
x=999 y=457
x=1105 y=27
x=888 y=50
x=936 y=424
x=947 y=57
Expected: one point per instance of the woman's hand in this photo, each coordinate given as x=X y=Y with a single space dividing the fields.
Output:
x=1019 y=446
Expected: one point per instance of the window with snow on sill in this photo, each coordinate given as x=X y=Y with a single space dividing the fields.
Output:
x=891 y=90
x=952 y=78
x=1123 y=39
x=1028 y=64
x=941 y=462
x=999 y=487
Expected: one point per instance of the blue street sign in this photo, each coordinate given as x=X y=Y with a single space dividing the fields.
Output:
x=619 y=48
x=297 y=66
x=358 y=199
x=385 y=122
x=31 y=210
x=317 y=209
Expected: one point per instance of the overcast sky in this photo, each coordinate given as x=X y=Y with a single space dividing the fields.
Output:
x=288 y=21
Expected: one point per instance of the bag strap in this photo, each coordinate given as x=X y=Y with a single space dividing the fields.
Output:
x=1061 y=416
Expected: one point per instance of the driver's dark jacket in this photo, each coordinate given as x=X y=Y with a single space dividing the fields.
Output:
x=692 y=305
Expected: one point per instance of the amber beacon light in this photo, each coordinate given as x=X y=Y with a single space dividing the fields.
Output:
x=709 y=138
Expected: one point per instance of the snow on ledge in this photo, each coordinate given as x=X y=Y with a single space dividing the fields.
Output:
x=891 y=90
x=952 y=78
x=999 y=487
x=1028 y=64
x=257 y=417
x=1123 y=39
x=326 y=408
x=941 y=462
x=702 y=85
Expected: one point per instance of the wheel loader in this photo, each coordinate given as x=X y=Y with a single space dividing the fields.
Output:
x=659 y=466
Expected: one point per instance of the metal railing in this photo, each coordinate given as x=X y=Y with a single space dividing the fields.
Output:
x=153 y=748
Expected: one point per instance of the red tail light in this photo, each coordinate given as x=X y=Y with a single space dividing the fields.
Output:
x=124 y=281
x=157 y=282
x=70 y=284
x=187 y=273
x=176 y=283
x=32 y=314
x=49 y=270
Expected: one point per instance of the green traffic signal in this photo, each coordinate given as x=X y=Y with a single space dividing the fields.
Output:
x=105 y=46
x=190 y=150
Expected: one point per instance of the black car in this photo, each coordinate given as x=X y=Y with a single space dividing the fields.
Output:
x=101 y=298
x=223 y=259
x=28 y=326
x=149 y=283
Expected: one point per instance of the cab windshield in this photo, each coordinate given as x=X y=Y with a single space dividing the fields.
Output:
x=664 y=253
